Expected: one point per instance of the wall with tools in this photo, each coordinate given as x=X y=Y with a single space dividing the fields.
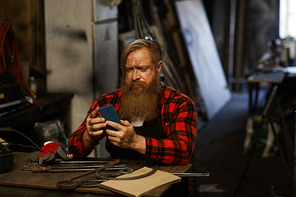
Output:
x=25 y=18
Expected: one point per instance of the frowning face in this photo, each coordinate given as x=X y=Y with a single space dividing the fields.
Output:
x=140 y=70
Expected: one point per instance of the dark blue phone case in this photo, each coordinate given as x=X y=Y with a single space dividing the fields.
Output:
x=109 y=113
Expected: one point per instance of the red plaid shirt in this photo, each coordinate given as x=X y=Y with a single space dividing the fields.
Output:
x=179 y=122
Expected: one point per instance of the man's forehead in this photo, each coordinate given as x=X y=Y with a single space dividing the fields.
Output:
x=137 y=65
x=139 y=54
x=138 y=62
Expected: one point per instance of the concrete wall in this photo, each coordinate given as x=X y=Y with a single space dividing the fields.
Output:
x=81 y=53
x=69 y=53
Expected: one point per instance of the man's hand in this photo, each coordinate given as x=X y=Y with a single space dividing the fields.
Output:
x=95 y=126
x=125 y=136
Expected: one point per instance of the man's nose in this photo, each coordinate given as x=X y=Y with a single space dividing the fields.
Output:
x=135 y=75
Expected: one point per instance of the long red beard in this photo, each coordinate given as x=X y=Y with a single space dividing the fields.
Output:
x=138 y=103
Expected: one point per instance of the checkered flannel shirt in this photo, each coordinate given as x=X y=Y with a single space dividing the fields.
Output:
x=179 y=122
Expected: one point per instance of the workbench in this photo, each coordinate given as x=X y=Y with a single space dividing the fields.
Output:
x=254 y=80
x=18 y=182
x=275 y=77
x=271 y=76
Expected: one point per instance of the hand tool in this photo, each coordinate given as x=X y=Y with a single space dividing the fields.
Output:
x=53 y=168
x=93 y=183
x=188 y=175
x=70 y=184
x=86 y=162
x=127 y=178
x=192 y=175
x=82 y=166
x=35 y=166
x=122 y=169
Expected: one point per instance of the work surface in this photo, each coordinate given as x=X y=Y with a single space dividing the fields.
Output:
x=29 y=183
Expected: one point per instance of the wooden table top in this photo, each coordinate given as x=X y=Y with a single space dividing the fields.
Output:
x=28 y=179
x=276 y=78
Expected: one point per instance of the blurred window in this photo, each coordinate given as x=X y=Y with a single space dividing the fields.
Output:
x=287 y=18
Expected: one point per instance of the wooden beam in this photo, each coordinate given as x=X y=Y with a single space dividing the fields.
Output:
x=239 y=45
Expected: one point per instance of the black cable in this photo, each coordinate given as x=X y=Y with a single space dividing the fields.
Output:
x=140 y=28
x=140 y=18
x=146 y=25
x=10 y=129
x=143 y=30
x=21 y=145
x=135 y=22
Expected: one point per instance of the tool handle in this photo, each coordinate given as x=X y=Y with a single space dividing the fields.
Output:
x=113 y=163
x=42 y=169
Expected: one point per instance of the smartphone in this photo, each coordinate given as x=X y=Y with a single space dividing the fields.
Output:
x=109 y=113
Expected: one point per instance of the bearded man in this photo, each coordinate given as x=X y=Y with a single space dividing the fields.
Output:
x=157 y=122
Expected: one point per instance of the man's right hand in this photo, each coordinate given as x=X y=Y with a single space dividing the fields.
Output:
x=95 y=127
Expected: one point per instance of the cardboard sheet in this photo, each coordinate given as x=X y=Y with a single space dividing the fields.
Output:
x=140 y=186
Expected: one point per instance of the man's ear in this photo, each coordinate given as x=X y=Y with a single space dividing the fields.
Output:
x=159 y=64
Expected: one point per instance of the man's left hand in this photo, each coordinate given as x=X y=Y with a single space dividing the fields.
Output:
x=125 y=136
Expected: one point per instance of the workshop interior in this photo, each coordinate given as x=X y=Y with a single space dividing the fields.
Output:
x=234 y=58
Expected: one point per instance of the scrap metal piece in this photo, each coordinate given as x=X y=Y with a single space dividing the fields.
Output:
x=127 y=178
x=70 y=184
x=192 y=175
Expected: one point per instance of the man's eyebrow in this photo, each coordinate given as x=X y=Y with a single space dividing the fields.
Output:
x=137 y=66
x=142 y=66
